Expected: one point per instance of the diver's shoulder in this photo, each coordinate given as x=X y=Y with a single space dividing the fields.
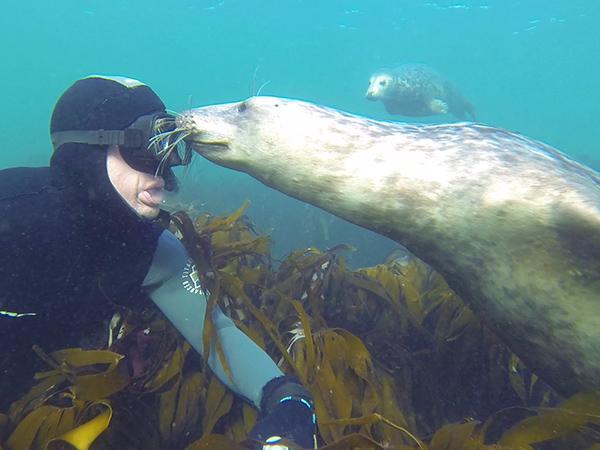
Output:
x=25 y=172
x=23 y=180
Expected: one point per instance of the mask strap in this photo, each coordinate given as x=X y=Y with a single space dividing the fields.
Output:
x=124 y=138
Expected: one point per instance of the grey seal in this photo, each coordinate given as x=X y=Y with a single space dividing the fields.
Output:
x=512 y=224
x=418 y=90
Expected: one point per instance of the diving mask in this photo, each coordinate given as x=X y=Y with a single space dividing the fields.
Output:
x=151 y=144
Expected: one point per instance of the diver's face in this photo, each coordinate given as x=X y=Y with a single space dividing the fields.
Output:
x=143 y=192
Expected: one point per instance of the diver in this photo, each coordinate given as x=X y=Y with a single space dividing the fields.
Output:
x=88 y=231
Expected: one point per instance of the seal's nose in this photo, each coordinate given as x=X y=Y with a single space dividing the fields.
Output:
x=370 y=95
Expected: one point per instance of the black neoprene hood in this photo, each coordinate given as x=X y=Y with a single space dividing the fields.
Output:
x=103 y=103
x=99 y=111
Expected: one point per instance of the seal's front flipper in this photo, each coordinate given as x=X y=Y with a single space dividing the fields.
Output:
x=437 y=106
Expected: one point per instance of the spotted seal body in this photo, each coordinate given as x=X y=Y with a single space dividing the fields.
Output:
x=417 y=90
x=512 y=224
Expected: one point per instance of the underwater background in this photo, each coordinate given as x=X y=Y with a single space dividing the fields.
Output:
x=530 y=66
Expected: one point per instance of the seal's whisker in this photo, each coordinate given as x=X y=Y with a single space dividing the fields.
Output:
x=161 y=164
x=173 y=112
x=163 y=123
x=156 y=141
x=178 y=140
x=253 y=92
x=158 y=137
x=171 y=146
x=261 y=87
x=252 y=84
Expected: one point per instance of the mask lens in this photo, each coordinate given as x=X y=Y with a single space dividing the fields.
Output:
x=140 y=162
x=162 y=147
x=167 y=144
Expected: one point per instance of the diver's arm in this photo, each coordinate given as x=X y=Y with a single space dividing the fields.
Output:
x=174 y=287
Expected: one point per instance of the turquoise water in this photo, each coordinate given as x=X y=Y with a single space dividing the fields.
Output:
x=530 y=66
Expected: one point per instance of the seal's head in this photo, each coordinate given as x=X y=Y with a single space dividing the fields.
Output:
x=294 y=146
x=382 y=85
x=264 y=130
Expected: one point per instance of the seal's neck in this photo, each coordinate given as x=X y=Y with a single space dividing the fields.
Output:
x=383 y=184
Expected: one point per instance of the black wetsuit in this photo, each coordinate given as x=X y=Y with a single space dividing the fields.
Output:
x=69 y=247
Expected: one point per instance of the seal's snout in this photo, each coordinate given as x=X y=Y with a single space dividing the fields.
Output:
x=185 y=121
x=205 y=131
x=192 y=121
x=370 y=94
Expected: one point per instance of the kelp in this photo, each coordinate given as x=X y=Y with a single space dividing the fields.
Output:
x=53 y=427
x=82 y=436
x=79 y=380
x=562 y=427
x=391 y=355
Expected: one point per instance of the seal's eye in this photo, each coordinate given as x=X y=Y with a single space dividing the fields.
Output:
x=242 y=107
x=382 y=82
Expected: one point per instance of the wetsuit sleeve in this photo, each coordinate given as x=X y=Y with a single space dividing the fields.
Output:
x=172 y=283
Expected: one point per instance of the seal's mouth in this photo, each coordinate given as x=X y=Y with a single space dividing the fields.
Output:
x=203 y=144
